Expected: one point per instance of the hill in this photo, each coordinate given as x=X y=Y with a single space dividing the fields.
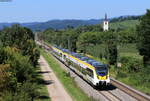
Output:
x=118 y=22
x=56 y=24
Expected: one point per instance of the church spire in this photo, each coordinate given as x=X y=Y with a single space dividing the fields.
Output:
x=105 y=23
x=105 y=17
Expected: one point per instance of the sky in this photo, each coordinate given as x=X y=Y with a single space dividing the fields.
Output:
x=44 y=10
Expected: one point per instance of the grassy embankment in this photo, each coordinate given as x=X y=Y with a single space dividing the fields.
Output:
x=68 y=82
x=136 y=79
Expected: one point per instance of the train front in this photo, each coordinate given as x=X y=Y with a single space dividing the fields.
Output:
x=102 y=74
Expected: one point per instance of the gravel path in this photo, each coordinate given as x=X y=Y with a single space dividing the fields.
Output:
x=55 y=88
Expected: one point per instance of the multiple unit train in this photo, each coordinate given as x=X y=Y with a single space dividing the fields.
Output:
x=92 y=71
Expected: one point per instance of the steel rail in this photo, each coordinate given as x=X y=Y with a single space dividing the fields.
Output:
x=130 y=91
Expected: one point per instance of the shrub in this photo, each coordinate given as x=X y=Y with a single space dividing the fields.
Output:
x=131 y=64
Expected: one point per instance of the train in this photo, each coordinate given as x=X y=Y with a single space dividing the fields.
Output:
x=94 y=72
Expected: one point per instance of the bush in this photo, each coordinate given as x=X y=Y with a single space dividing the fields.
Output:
x=131 y=64
x=121 y=75
x=25 y=92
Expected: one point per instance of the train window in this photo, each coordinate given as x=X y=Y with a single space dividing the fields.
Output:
x=65 y=56
x=89 y=72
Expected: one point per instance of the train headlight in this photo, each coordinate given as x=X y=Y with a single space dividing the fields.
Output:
x=98 y=77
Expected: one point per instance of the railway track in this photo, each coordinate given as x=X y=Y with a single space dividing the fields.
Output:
x=109 y=96
x=128 y=90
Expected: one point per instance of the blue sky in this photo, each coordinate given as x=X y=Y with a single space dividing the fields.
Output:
x=43 y=10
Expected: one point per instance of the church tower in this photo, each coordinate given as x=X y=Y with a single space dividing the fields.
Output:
x=105 y=23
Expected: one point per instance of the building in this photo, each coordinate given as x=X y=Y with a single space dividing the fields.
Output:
x=105 y=23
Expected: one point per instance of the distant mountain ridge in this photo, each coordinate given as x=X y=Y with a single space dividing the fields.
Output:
x=62 y=24
x=56 y=24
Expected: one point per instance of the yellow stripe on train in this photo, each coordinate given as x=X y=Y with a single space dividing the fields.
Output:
x=102 y=77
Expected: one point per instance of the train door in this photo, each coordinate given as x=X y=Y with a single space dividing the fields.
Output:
x=64 y=58
x=90 y=75
x=60 y=56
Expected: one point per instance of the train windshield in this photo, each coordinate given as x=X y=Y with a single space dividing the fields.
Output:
x=101 y=69
x=90 y=61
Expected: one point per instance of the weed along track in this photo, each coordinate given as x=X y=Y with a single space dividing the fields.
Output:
x=132 y=92
x=111 y=93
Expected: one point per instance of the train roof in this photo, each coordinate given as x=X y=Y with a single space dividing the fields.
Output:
x=84 y=58
x=66 y=50
x=90 y=61
x=96 y=64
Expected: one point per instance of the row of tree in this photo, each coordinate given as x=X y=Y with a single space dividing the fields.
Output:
x=18 y=61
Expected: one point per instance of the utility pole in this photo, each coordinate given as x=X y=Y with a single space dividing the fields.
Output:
x=69 y=43
x=118 y=47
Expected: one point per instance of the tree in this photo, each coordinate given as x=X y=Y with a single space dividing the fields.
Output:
x=143 y=31
x=18 y=59
x=86 y=39
x=21 y=38
x=110 y=40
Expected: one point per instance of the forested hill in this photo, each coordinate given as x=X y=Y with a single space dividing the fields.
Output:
x=61 y=24
x=121 y=22
x=56 y=24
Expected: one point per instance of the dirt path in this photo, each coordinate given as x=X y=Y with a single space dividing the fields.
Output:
x=55 y=88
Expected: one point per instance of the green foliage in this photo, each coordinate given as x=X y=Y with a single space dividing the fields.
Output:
x=18 y=59
x=124 y=18
x=16 y=36
x=143 y=31
x=86 y=39
x=25 y=92
x=20 y=69
x=122 y=25
x=131 y=64
x=110 y=40
x=22 y=39
x=127 y=36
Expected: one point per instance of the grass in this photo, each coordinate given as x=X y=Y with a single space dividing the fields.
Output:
x=133 y=79
x=129 y=50
x=68 y=82
x=44 y=94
